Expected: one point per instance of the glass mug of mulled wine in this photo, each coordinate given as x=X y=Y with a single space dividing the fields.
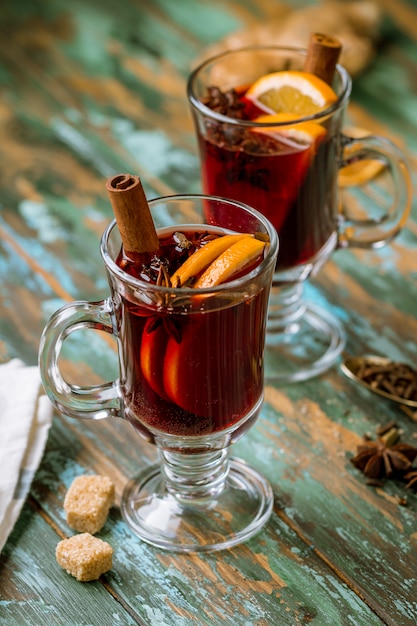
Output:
x=287 y=167
x=191 y=373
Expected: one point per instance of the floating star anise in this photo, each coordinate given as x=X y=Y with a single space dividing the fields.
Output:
x=379 y=459
x=172 y=324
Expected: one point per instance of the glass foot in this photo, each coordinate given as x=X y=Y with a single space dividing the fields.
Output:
x=182 y=524
x=305 y=347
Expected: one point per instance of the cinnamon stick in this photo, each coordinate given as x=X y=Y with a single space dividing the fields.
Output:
x=322 y=55
x=132 y=214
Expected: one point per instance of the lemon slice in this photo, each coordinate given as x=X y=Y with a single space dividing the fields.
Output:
x=201 y=258
x=360 y=172
x=302 y=132
x=231 y=261
x=295 y=92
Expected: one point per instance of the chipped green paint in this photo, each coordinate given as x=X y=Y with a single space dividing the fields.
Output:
x=150 y=584
x=19 y=562
x=94 y=89
x=206 y=21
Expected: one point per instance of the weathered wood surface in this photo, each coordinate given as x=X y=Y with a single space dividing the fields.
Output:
x=95 y=88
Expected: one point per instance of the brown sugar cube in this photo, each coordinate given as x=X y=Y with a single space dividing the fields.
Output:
x=85 y=557
x=87 y=503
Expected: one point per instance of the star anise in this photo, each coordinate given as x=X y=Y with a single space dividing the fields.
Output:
x=411 y=478
x=172 y=324
x=158 y=270
x=200 y=239
x=380 y=459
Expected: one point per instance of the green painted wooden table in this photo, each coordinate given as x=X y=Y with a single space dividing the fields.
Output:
x=89 y=89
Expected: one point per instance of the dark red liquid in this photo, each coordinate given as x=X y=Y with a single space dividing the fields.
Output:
x=292 y=184
x=190 y=373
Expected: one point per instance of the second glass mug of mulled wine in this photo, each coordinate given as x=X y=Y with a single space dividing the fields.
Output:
x=287 y=167
x=191 y=371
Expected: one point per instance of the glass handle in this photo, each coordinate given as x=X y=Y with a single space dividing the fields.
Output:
x=378 y=224
x=95 y=402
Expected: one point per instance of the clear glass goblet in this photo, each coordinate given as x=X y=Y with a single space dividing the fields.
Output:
x=191 y=380
x=289 y=172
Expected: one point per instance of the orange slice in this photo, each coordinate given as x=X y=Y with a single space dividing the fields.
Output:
x=291 y=91
x=360 y=172
x=231 y=261
x=199 y=351
x=302 y=132
x=178 y=360
x=152 y=351
x=201 y=259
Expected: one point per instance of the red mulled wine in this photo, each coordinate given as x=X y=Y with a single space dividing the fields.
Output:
x=291 y=182
x=192 y=370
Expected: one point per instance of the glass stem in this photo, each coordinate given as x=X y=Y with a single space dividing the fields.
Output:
x=286 y=307
x=194 y=476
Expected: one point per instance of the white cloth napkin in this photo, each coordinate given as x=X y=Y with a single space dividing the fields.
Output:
x=25 y=419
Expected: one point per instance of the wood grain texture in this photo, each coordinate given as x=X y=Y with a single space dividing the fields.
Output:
x=92 y=89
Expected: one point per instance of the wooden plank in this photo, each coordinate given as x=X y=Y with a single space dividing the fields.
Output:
x=86 y=94
x=35 y=590
x=362 y=531
x=275 y=576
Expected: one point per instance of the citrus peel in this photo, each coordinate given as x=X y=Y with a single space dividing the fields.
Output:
x=153 y=345
x=231 y=261
x=360 y=172
x=303 y=132
x=203 y=257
